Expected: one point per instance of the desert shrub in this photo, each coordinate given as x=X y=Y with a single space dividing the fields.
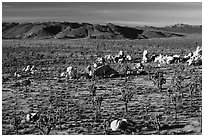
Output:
x=149 y=69
x=158 y=79
x=176 y=99
x=195 y=86
x=155 y=120
x=47 y=122
x=92 y=89
x=126 y=97
x=177 y=83
x=97 y=106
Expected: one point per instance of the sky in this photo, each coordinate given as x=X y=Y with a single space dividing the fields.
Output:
x=123 y=13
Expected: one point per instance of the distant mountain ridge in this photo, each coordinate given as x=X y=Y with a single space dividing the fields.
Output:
x=181 y=28
x=70 y=30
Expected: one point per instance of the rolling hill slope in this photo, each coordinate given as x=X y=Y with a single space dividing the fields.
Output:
x=68 y=30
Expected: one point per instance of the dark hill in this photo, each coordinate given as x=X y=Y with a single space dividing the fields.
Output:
x=64 y=30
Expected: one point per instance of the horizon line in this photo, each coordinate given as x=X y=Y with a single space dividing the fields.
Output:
x=122 y=24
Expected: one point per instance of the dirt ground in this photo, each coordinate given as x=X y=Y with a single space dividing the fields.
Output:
x=49 y=93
